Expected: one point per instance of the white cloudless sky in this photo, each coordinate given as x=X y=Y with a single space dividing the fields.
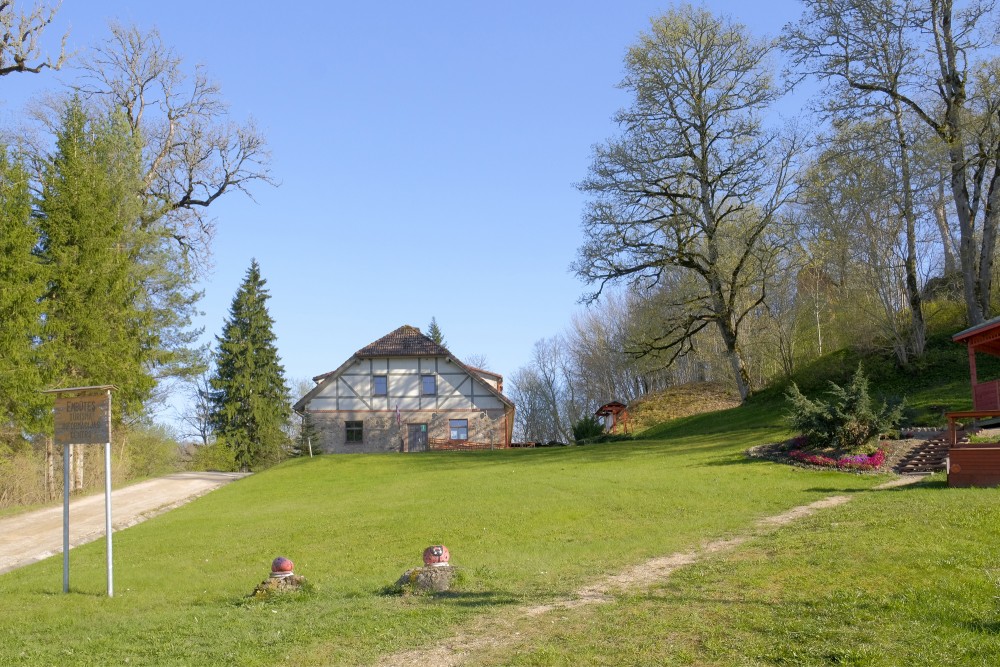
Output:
x=426 y=154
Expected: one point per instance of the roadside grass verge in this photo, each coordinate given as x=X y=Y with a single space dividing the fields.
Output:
x=527 y=526
x=908 y=576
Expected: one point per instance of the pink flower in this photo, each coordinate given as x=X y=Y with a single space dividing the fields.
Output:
x=858 y=462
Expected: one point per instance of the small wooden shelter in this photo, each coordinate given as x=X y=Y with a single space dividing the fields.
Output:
x=612 y=415
x=976 y=465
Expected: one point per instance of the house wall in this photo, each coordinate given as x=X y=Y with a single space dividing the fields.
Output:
x=492 y=381
x=348 y=396
x=381 y=433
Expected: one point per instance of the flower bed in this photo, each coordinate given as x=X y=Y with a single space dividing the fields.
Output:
x=858 y=462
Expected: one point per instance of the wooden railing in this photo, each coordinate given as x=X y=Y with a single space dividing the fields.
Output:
x=443 y=444
x=986 y=395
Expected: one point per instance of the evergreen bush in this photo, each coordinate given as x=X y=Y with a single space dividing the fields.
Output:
x=588 y=427
x=848 y=421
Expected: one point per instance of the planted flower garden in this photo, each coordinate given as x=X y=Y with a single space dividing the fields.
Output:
x=841 y=431
x=872 y=461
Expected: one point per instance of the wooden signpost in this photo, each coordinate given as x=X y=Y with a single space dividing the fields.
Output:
x=82 y=416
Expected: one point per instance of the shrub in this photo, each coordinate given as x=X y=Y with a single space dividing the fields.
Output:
x=588 y=427
x=849 y=421
x=146 y=450
x=214 y=457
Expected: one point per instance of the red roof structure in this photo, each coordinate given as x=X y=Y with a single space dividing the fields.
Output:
x=613 y=414
x=974 y=464
x=984 y=338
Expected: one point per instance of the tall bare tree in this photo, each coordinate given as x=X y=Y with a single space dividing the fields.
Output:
x=547 y=400
x=695 y=181
x=193 y=152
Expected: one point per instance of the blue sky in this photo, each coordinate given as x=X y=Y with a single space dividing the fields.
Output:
x=426 y=154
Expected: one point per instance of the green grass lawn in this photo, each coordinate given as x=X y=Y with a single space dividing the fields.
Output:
x=526 y=526
x=902 y=577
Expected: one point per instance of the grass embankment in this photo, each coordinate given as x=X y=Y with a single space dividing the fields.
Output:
x=527 y=526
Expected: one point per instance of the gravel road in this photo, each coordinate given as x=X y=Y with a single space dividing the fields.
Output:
x=33 y=536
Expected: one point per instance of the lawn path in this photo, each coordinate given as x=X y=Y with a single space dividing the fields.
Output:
x=32 y=536
x=498 y=632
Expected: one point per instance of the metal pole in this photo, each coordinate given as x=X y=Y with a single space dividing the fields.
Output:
x=66 y=453
x=107 y=513
x=107 y=500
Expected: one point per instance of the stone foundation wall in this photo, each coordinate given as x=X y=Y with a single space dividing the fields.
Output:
x=381 y=433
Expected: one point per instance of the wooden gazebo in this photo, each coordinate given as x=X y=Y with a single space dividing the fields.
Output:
x=976 y=465
x=613 y=414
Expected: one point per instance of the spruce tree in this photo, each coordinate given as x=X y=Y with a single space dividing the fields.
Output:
x=21 y=288
x=434 y=333
x=250 y=401
x=94 y=328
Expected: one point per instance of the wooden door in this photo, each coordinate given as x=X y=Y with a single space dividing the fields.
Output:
x=417 y=437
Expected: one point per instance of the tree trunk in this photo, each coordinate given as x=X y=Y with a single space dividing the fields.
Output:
x=77 y=458
x=740 y=373
x=953 y=93
x=947 y=243
x=966 y=249
x=989 y=245
x=918 y=328
x=50 y=477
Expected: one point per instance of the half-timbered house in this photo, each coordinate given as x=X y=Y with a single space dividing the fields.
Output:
x=406 y=393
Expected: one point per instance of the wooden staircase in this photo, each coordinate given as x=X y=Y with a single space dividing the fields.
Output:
x=926 y=457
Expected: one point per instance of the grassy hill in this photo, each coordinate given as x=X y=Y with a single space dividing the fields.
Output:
x=893 y=577
x=932 y=385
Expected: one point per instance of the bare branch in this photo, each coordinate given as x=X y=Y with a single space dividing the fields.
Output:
x=193 y=153
x=20 y=35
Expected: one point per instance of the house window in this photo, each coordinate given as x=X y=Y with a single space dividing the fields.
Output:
x=380 y=385
x=459 y=429
x=354 y=432
x=429 y=385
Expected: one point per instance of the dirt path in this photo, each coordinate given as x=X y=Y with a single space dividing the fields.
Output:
x=33 y=536
x=495 y=632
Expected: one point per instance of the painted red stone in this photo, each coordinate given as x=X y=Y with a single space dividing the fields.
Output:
x=282 y=564
x=436 y=555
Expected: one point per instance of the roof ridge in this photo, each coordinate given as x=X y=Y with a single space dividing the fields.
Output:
x=405 y=341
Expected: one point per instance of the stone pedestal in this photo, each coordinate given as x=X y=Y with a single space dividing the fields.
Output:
x=278 y=585
x=431 y=579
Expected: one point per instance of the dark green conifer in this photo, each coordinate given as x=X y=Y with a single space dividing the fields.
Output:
x=250 y=401
x=21 y=288
x=94 y=330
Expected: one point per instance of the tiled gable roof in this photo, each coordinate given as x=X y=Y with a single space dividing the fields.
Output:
x=406 y=341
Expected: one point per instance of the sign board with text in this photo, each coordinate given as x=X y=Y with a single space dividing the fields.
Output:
x=83 y=420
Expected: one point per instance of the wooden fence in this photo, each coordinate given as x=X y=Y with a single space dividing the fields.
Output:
x=444 y=445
